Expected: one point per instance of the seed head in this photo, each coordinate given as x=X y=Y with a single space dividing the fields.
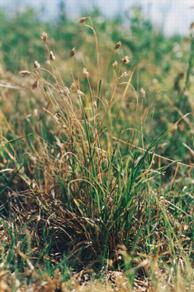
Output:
x=118 y=45
x=80 y=93
x=25 y=73
x=72 y=52
x=142 y=92
x=36 y=65
x=124 y=75
x=126 y=60
x=83 y=19
x=35 y=84
x=52 y=56
x=85 y=73
x=74 y=86
x=114 y=64
x=64 y=91
x=44 y=37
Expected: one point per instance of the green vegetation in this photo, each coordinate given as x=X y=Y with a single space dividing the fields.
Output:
x=96 y=155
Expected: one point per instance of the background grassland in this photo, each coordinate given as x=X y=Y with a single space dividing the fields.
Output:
x=96 y=157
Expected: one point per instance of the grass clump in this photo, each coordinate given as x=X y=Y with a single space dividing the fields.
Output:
x=88 y=190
